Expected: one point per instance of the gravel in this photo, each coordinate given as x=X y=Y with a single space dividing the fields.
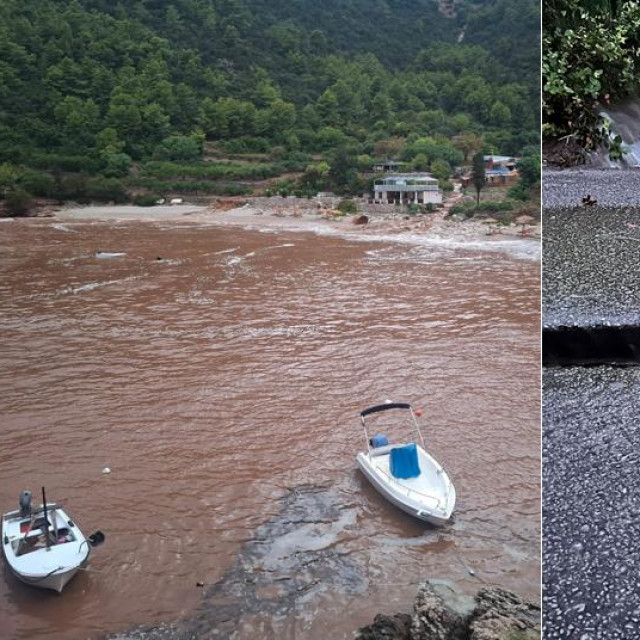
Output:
x=590 y=266
x=610 y=187
x=591 y=503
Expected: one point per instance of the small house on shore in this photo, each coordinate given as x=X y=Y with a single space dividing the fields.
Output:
x=389 y=166
x=407 y=188
x=500 y=169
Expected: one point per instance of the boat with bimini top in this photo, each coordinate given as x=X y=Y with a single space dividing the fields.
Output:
x=404 y=473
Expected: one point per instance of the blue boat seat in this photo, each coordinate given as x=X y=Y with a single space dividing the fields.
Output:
x=403 y=462
x=379 y=440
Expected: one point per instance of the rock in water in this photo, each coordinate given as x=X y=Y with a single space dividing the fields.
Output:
x=396 y=627
x=501 y=614
x=440 y=612
x=437 y=614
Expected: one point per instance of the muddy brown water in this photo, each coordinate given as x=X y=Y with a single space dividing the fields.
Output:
x=219 y=374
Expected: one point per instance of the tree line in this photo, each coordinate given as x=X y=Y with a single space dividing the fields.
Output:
x=96 y=87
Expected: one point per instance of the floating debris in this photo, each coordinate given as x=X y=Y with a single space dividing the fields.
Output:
x=105 y=255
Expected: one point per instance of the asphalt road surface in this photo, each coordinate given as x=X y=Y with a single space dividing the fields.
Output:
x=591 y=503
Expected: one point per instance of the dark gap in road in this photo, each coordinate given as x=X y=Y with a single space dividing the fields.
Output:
x=584 y=346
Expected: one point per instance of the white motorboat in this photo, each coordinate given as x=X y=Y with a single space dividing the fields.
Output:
x=43 y=546
x=405 y=474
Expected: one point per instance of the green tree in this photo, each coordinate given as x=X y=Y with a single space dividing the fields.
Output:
x=8 y=177
x=178 y=149
x=478 y=176
x=389 y=148
x=420 y=162
x=500 y=115
x=342 y=172
x=529 y=167
x=467 y=143
x=116 y=165
x=108 y=141
x=441 y=169
x=327 y=107
x=37 y=183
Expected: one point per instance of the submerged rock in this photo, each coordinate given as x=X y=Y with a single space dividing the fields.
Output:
x=440 y=612
x=396 y=627
x=298 y=554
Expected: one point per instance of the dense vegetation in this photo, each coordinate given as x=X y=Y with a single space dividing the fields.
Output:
x=96 y=96
x=590 y=58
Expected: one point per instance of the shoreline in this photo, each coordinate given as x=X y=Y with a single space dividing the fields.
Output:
x=295 y=215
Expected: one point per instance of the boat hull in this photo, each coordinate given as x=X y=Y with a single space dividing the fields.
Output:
x=55 y=582
x=412 y=507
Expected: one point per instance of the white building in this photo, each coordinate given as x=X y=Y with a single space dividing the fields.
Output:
x=407 y=188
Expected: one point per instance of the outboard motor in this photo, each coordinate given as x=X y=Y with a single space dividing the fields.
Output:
x=25 y=504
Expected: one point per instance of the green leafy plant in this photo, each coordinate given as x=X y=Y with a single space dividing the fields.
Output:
x=17 y=202
x=347 y=206
x=145 y=200
x=590 y=53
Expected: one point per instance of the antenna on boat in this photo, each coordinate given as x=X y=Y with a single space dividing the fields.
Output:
x=417 y=426
x=46 y=520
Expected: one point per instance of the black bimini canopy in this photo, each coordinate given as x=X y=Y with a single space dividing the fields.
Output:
x=384 y=407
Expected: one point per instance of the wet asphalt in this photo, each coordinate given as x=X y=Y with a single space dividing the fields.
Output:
x=563 y=188
x=591 y=503
x=591 y=415
x=591 y=263
x=591 y=266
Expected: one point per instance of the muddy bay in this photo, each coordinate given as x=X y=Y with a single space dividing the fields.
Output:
x=218 y=373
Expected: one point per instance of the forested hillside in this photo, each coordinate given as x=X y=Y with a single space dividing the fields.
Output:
x=96 y=87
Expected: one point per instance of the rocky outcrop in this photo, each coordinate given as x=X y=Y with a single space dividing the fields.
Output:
x=503 y=615
x=440 y=612
x=396 y=627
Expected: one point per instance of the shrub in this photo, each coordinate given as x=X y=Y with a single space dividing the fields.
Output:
x=493 y=207
x=179 y=148
x=72 y=164
x=247 y=145
x=145 y=200
x=72 y=186
x=17 y=202
x=106 y=190
x=225 y=170
x=117 y=165
x=466 y=209
x=37 y=183
x=295 y=161
x=348 y=206
x=199 y=186
x=518 y=193
x=589 y=56
x=277 y=153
